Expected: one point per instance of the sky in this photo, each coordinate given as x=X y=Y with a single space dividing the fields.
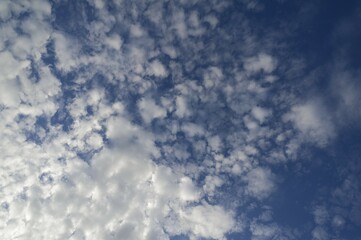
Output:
x=180 y=120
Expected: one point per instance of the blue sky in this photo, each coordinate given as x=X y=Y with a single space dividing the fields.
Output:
x=180 y=120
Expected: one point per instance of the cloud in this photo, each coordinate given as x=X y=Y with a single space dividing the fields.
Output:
x=123 y=191
x=260 y=182
x=150 y=121
x=181 y=107
x=344 y=88
x=114 y=41
x=86 y=164
x=67 y=52
x=263 y=231
x=260 y=113
x=211 y=184
x=157 y=69
x=149 y=110
x=212 y=77
x=179 y=24
x=10 y=87
x=207 y=221
x=320 y=215
x=312 y=121
x=319 y=234
x=262 y=62
x=338 y=221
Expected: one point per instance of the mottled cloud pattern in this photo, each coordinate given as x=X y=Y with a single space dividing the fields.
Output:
x=172 y=120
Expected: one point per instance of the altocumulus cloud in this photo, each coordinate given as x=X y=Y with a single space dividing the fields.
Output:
x=160 y=120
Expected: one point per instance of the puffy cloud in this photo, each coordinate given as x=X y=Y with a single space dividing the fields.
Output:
x=188 y=191
x=338 y=221
x=320 y=215
x=9 y=86
x=312 y=121
x=96 y=178
x=137 y=121
x=211 y=184
x=212 y=77
x=181 y=107
x=264 y=231
x=260 y=182
x=344 y=88
x=262 y=62
x=207 y=221
x=67 y=53
x=179 y=24
x=157 y=69
x=114 y=41
x=192 y=129
x=260 y=113
x=150 y=110
x=122 y=191
x=319 y=234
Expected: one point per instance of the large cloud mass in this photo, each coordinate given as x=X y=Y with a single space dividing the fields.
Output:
x=155 y=120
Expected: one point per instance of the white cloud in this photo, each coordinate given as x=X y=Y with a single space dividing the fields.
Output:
x=260 y=182
x=157 y=69
x=114 y=41
x=212 y=77
x=150 y=110
x=338 y=221
x=319 y=233
x=262 y=62
x=181 y=107
x=154 y=14
x=207 y=221
x=215 y=143
x=136 y=31
x=260 y=113
x=320 y=214
x=312 y=121
x=66 y=52
x=211 y=184
x=9 y=86
x=179 y=24
x=250 y=124
x=188 y=191
x=263 y=231
x=123 y=190
x=95 y=140
x=4 y=10
x=212 y=20
x=192 y=129
x=170 y=51
x=345 y=88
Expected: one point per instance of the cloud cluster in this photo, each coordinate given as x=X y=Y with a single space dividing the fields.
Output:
x=147 y=120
